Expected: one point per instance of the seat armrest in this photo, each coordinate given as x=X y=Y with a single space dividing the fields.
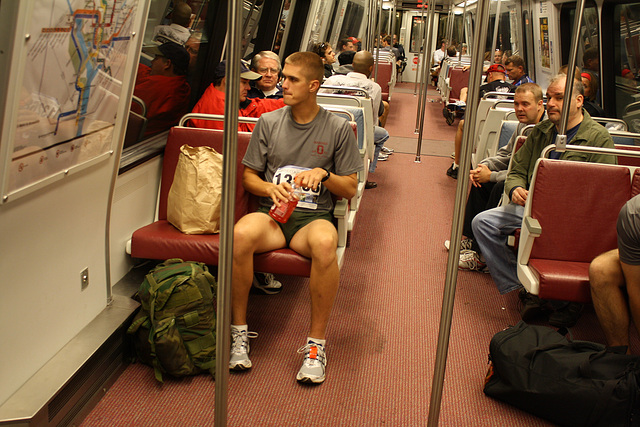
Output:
x=340 y=213
x=533 y=226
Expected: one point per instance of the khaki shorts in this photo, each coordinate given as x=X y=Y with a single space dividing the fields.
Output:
x=297 y=220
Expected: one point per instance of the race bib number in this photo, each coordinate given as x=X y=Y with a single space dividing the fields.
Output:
x=308 y=197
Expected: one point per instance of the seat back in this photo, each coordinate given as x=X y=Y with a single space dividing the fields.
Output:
x=197 y=137
x=506 y=132
x=577 y=205
x=488 y=140
x=384 y=77
x=458 y=78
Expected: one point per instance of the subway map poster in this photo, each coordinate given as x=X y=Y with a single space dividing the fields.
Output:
x=75 y=63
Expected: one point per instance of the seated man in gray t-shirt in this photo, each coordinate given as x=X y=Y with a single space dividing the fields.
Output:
x=303 y=144
x=614 y=277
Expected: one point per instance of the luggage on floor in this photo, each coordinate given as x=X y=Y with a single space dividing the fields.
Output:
x=175 y=329
x=571 y=383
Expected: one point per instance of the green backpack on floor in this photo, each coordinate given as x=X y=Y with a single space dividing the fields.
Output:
x=175 y=330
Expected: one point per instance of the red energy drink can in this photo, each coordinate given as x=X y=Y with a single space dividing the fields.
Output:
x=283 y=212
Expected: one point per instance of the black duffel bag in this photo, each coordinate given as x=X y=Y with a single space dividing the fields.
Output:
x=570 y=383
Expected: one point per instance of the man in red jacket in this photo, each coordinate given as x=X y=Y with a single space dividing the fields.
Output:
x=212 y=101
x=163 y=87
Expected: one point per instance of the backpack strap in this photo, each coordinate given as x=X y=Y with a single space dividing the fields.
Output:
x=153 y=289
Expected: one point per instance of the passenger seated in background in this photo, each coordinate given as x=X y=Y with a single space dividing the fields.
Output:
x=590 y=83
x=328 y=56
x=491 y=228
x=615 y=279
x=267 y=64
x=178 y=30
x=386 y=47
x=212 y=101
x=281 y=146
x=345 y=45
x=346 y=62
x=163 y=87
x=487 y=180
x=362 y=67
x=451 y=53
x=495 y=83
x=516 y=71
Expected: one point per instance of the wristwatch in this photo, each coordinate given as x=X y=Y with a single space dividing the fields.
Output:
x=326 y=177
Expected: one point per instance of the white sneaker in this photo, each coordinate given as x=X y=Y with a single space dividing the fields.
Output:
x=464 y=244
x=387 y=151
x=314 y=367
x=470 y=260
x=239 y=358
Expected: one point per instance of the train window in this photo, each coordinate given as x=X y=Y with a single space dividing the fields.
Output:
x=167 y=69
x=588 y=48
x=417 y=31
x=458 y=30
x=626 y=67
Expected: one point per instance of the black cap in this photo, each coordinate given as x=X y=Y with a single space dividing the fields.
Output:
x=173 y=51
x=245 y=72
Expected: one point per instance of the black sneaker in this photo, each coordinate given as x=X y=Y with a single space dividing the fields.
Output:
x=567 y=316
x=453 y=173
x=266 y=283
x=531 y=306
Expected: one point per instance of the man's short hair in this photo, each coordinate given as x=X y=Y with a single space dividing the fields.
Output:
x=346 y=57
x=181 y=14
x=342 y=43
x=451 y=51
x=532 y=88
x=264 y=54
x=578 y=87
x=310 y=63
x=320 y=49
x=516 y=61
x=387 y=39
x=589 y=55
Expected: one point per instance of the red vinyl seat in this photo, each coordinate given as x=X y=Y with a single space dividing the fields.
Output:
x=161 y=240
x=570 y=218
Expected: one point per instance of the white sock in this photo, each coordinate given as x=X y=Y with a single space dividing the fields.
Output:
x=317 y=341
x=239 y=327
x=455 y=166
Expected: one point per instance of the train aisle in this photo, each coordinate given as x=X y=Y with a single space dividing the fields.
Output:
x=382 y=335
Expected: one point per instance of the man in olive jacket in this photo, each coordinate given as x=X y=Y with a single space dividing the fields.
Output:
x=492 y=227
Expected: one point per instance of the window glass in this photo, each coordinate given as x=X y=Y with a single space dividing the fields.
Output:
x=626 y=65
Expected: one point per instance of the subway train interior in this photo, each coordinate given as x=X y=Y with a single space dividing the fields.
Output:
x=83 y=152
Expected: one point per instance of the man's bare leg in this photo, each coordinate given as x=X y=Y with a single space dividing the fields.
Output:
x=607 y=284
x=632 y=280
x=318 y=240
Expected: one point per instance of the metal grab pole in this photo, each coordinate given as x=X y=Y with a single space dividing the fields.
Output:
x=561 y=138
x=437 y=384
x=420 y=75
x=495 y=32
x=376 y=57
x=464 y=32
x=425 y=84
x=421 y=56
x=230 y=153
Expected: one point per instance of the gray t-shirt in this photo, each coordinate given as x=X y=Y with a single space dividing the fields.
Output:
x=629 y=232
x=326 y=142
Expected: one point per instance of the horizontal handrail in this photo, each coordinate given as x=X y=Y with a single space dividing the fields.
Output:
x=593 y=150
x=345 y=88
x=339 y=110
x=217 y=117
x=502 y=95
x=341 y=95
x=605 y=121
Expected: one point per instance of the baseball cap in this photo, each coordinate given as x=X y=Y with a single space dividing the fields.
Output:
x=353 y=40
x=170 y=50
x=245 y=72
x=496 y=68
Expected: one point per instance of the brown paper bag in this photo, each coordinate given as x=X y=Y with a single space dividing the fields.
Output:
x=193 y=203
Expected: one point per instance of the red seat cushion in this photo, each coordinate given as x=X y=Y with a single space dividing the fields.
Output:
x=562 y=280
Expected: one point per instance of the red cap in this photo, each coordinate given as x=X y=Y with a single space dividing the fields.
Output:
x=496 y=68
x=588 y=76
x=625 y=72
x=353 y=39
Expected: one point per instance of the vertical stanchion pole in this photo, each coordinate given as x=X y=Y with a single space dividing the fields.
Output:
x=426 y=56
x=482 y=21
x=421 y=56
x=561 y=138
x=496 y=26
x=425 y=83
x=230 y=152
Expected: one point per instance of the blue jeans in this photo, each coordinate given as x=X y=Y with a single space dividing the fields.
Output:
x=491 y=229
x=380 y=136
